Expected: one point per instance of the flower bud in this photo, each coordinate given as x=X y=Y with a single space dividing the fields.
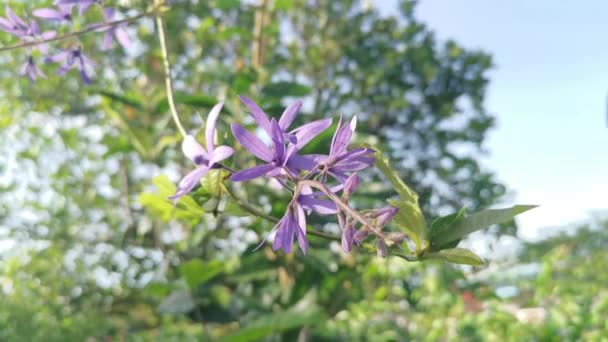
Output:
x=348 y=235
x=396 y=237
x=385 y=215
x=360 y=236
x=351 y=184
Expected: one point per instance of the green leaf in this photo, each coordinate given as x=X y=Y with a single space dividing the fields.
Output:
x=285 y=88
x=211 y=184
x=196 y=272
x=409 y=218
x=227 y=4
x=125 y=100
x=441 y=224
x=477 y=221
x=160 y=206
x=199 y=101
x=274 y=323
x=457 y=255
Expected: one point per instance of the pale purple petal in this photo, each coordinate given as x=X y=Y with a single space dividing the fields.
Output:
x=108 y=39
x=348 y=237
x=49 y=13
x=258 y=114
x=122 y=37
x=108 y=13
x=351 y=184
x=251 y=173
x=193 y=150
x=189 y=182
x=309 y=131
x=220 y=153
x=284 y=237
x=210 y=125
x=341 y=140
x=289 y=114
x=252 y=143
x=15 y=18
x=301 y=230
x=299 y=162
x=321 y=206
x=278 y=141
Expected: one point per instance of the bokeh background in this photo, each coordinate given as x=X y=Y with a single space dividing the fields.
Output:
x=478 y=103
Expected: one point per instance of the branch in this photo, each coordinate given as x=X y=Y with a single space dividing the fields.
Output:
x=79 y=33
x=168 y=82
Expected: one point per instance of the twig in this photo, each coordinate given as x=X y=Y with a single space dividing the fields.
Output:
x=168 y=82
x=78 y=33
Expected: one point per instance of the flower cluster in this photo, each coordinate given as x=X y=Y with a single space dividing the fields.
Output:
x=317 y=183
x=62 y=14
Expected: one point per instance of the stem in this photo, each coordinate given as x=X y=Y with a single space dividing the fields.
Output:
x=259 y=213
x=78 y=33
x=168 y=82
x=344 y=206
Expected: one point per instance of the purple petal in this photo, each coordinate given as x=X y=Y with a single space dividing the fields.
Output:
x=189 y=182
x=58 y=57
x=278 y=141
x=351 y=184
x=251 y=173
x=299 y=162
x=49 y=13
x=307 y=132
x=122 y=37
x=284 y=237
x=251 y=143
x=258 y=114
x=289 y=115
x=348 y=237
x=192 y=149
x=353 y=164
x=108 y=13
x=220 y=153
x=108 y=39
x=210 y=125
x=341 y=140
x=15 y=18
x=321 y=206
x=301 y=230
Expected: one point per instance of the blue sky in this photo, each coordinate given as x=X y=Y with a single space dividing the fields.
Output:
x=549 y=92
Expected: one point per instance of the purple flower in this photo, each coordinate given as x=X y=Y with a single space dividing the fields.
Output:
x=13 y=24
x=31 y=70
x=300 y=136
x=83 y=5
x=73 y=59
x=203 y=159
x=113 y=31
x=280 y=160
x=291 y=227
x=63 y=13
x=340 y=161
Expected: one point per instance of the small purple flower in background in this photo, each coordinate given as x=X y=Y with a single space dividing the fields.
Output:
x=203 y=159
x=292 y=226
x=63 y=13
x=14 y=25
x=31 y=70
x=83 y=5
x=115 y=31
x=73 y=59
x=340 y=161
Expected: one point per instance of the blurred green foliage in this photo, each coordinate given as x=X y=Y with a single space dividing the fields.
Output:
x=98 y=253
